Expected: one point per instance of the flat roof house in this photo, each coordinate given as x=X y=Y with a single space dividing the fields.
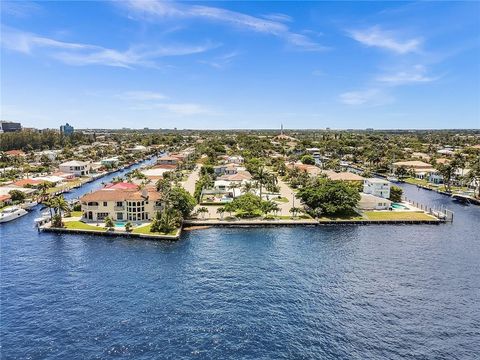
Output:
x=377 y=187
x=78 y=168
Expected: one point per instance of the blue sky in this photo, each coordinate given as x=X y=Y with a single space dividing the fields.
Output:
x=220 y=65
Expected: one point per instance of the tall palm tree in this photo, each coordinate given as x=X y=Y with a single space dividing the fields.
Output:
x=59 y=204
x=43 y=188
x=248 y=187
x=221 y=211
x=233 y=186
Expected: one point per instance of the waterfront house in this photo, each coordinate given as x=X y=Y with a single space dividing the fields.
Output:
x=343 y=176
x=78 y=168
x=372 y=202
x=168 y=160
x=121 y=203
x=110 y=162
x=377 y=187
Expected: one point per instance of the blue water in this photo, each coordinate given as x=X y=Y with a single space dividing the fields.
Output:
x=345 y=292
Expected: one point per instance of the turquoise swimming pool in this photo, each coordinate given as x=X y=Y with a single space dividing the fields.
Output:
x=398 y=206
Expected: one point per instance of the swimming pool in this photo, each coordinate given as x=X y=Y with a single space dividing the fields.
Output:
x=399 y=206
x=120 y=223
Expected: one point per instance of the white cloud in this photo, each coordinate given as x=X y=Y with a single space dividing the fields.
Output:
x=156 y=8
x=416 y=74
x=372 y=97
x=86 y=54
x=278 y=17
x=21 y=9
x=142 y=100
x=222 y=61
x=376 y=37
x=142 y=96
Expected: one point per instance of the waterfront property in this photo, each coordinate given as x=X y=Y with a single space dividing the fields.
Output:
x=78 y=168
x=377 y=187
x=124 y=203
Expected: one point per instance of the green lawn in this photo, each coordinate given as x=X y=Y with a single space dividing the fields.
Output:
x=76 y=214
x=396 y=215
x=281 y=200
x=146 y=230
x=341 y=218
x=82 y=226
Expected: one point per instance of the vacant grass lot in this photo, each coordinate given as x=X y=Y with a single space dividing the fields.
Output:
x=396 y=215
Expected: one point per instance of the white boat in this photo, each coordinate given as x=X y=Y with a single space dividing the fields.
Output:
x=28 y=205
x=392 y=178
x=12 y=213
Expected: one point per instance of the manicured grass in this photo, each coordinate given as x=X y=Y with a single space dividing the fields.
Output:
x=76 y=214
x=78 y=225
x=281 y=200
x=396 y=215
x=146 y=230
x=341 y=218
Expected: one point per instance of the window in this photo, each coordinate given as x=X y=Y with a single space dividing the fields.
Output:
x=119 y=203
x=105 y=203
x=119 y=216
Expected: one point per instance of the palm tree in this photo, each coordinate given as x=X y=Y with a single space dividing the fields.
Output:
x=203 y=210
x=262 y=178
x=43 y=188
x=221 y=211
x=248 y=187
x=59 y=204
x=294 y=211
x=233 y=186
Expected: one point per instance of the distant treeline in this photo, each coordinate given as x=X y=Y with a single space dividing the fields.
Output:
x=48 y=139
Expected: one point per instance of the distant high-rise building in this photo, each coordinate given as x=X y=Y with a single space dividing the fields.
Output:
x=8 y=126
x=67 y=129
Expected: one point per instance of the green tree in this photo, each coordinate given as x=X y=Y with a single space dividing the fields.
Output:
x=109 y=223
x=17 y=195
x=308 y=159
x=181 y=200
x=221 y=211
x=331 y=197
x=396 y=193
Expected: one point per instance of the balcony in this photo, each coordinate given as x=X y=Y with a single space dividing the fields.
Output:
x=90 y=207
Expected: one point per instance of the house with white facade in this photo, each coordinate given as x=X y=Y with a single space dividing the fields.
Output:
x=377 y=187
x=78 y=168
x=372 y=202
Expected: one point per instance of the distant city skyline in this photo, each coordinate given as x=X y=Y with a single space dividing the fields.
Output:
x=241 y=65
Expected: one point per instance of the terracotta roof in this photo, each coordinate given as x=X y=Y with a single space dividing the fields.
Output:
x=15 y=153
x=241 y=175
x=122 y=186
x=119 y=195
x=5 y=197
x=23 y=182
x=344 y=176
x=413 y=164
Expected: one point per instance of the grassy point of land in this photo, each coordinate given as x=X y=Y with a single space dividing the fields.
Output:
x=78 y=225
x=397 y=215
x=146 y=230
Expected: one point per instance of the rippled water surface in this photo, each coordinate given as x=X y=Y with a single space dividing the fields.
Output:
x=346 y=292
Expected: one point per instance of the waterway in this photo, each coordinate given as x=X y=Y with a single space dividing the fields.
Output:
x=337 y=292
